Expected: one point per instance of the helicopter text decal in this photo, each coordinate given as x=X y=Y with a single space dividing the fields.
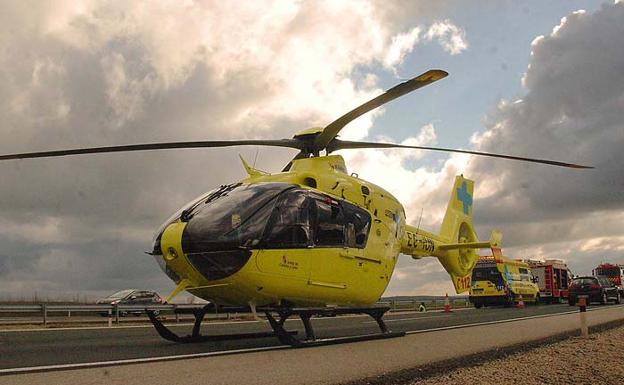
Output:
x=420 y=242
x=463 y=283
x=287 y=263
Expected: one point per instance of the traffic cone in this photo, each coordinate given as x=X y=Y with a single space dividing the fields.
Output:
x=447 y=304
x=520 y=302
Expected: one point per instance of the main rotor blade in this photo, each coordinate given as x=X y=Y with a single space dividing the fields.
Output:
x=337 y=144
x=332 y=129
x=291 y=143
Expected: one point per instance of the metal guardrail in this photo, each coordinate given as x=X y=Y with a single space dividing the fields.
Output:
x=435 y=304
x=114 y=312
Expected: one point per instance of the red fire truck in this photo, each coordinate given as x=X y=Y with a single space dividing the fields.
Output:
x=613 y=272
x=553 y=278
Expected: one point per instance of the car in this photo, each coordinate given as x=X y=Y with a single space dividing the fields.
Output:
x=597 y=289
x=131 y=297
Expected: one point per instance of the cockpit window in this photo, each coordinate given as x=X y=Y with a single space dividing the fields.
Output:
x=272 y=216
x=233 y=218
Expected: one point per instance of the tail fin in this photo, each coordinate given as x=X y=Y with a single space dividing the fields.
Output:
x=456 y=230
x=457 y=242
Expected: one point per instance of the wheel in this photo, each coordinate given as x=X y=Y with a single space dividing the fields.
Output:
x=618 y=299
x=478 y=305
x=570 y=302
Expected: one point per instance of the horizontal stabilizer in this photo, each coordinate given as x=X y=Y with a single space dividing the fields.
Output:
x=495 y=241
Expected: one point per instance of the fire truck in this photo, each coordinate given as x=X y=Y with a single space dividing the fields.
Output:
x=553 y=278
x=613 y=272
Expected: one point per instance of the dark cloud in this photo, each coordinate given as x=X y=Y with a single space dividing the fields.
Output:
x=573 y=110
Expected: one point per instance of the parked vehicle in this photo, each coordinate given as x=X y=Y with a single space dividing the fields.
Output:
x=131 y=297
x=613 y=272
x=502 y=282
x=596 y=289
x=552 y=278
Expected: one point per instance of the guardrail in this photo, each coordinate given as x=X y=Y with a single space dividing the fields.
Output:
x=111 y=312
x=114 y=313
x=433 y=304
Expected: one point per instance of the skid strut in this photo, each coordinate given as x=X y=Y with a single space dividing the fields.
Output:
x=196 y=336
x=376 y=312
x=277 y=324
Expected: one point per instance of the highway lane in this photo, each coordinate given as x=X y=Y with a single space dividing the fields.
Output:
x=51 y=347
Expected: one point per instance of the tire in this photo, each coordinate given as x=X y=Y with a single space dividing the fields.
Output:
x=478 y=305
x=618 y=299
x=570 y=302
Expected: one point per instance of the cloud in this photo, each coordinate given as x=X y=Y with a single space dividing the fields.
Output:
x=402 y=44
x=93 y=74
x=449 y=36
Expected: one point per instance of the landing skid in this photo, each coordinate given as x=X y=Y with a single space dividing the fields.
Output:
x=376 y=312
x=196 y=336
x=277 y=316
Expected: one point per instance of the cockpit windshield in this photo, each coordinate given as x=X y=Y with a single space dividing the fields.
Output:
x=234 y=216
x=272 y=215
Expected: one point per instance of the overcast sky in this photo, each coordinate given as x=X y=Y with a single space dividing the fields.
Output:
x=526 y=78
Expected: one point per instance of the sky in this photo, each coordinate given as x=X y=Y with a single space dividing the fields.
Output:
x=527 y=78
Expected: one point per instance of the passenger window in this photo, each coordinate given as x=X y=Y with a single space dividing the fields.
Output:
x=289 y=225
x=357 y=225
x=330 y=223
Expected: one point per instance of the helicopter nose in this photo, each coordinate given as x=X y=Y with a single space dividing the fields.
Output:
x=212 y=258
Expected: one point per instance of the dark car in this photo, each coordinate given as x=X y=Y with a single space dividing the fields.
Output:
x=131 y=297
x=597 y=289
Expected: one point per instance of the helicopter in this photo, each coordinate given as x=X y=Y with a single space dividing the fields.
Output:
x=311 y=240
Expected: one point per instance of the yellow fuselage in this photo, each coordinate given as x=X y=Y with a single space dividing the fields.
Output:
x=312 y=275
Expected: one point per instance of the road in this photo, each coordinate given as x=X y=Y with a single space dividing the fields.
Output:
x=25 y=348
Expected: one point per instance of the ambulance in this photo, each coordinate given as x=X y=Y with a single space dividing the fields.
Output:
x=502 y=281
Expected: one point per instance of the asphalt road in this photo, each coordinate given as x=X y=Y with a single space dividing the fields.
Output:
x=52 y=347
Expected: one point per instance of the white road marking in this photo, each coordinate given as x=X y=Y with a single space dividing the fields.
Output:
x=85 y=365
x=408 y=319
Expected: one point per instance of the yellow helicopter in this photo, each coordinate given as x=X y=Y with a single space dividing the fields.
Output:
x=310 y=240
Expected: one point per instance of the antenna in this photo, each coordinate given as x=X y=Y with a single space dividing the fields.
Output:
x=420 y=218
x=255 y=157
